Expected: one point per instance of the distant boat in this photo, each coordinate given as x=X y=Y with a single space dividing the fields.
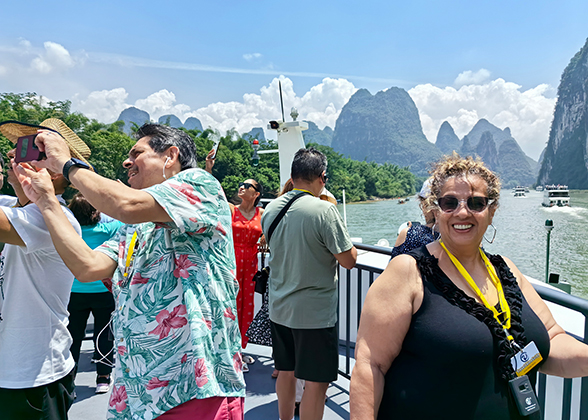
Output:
x=539 y=188
x=556 y=195
x=519 y=192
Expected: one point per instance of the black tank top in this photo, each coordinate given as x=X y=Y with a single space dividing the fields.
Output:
x=448 y=366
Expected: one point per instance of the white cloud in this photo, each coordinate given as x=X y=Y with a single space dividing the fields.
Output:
x=251 y=57
x=54 y=57
x=162 y=103
x=103 y=105
x=527 y=113
x=321 y=104
x=469 y=77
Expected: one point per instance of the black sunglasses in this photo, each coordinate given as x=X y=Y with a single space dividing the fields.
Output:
x=247 y=185
x=474 y=204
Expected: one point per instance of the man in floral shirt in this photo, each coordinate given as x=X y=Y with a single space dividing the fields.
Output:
x=173 y=275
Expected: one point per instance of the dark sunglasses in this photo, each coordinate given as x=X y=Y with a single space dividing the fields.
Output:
x=449 y=203
x=247 y=185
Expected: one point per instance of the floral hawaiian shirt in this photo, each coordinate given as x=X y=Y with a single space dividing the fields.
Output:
x=176 y=334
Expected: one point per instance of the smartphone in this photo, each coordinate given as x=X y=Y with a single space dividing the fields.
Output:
x=27 y=150
x=216 y=140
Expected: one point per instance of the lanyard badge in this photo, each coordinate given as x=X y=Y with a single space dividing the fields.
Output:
x=520 y=387
x=526 y=359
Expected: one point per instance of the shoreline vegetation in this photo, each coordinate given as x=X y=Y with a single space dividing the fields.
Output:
x=110 y=144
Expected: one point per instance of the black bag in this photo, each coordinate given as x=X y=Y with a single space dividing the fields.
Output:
x=262 y=276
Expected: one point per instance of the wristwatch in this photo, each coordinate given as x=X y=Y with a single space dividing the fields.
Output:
x=73 y=162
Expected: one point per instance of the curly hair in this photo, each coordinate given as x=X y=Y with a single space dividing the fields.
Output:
x=455 y=166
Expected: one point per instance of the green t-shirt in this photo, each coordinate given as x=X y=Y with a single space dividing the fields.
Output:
x=303 y=282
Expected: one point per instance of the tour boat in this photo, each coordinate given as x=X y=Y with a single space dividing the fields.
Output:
x=556 y=195
x=519 y=192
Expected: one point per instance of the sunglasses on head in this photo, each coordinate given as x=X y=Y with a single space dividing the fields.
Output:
x=247 y=185
x=474 y=204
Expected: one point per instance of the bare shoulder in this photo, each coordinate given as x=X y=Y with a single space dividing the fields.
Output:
x=401 y=280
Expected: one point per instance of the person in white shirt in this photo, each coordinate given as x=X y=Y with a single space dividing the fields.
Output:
x=36 y=366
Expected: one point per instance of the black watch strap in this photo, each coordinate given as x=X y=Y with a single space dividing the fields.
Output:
x=73 y=162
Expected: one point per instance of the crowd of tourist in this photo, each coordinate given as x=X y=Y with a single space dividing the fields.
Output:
x=166 y=265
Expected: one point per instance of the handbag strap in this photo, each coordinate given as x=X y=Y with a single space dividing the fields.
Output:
x=281 y=215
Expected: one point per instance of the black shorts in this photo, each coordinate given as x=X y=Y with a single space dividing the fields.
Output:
x=313 y=354
x=51 y=401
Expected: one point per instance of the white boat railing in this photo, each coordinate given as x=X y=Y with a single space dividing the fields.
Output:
x=560 y=398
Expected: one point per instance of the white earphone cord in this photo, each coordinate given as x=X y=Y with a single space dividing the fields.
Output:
x=103 y=357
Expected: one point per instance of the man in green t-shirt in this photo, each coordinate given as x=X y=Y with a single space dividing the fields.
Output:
x=305 y=248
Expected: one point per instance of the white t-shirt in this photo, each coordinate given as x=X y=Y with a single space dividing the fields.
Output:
x=34 y=340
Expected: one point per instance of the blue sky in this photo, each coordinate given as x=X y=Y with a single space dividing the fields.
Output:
x=181 y=57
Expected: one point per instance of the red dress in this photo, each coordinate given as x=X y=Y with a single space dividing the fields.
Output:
x=246 y=233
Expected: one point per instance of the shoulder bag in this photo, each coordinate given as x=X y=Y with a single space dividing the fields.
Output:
x=261 y=277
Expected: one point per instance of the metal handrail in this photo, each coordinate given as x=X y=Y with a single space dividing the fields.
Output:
x=548 y=294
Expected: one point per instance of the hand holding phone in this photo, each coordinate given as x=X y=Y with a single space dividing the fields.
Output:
x=27 y=150
x=216 y=139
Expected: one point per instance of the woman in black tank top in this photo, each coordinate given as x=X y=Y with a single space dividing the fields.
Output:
x=440 y=326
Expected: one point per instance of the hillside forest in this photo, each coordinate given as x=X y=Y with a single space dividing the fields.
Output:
x=109 y=144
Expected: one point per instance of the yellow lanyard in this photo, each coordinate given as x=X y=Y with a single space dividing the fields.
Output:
x=495 y=280
x=130 y=253
x=300 y=189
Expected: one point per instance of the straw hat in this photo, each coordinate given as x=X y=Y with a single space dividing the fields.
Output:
x=12 y=130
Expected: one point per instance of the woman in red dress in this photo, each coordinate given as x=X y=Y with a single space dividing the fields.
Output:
x=246 y=234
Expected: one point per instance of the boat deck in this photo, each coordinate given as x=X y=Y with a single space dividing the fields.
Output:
x=261 y=402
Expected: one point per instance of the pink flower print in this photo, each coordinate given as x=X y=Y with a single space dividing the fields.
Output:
x=200 y=373
x=188 y=191
x=183 y=263
x=167 y=321
x=138 y=279
x=220 y=228
x=237 y=362
x=121 y=249
x=208 y=323
x=118 y=398
x=121 y=350
x=229 y=314
x=184 y=358
x=156 y=383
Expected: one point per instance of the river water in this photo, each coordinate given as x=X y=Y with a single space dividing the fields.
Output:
x=521 y=234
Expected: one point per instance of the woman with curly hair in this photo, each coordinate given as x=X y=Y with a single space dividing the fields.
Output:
x=446 y=329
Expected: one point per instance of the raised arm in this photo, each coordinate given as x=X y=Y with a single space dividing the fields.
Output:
x=111 y=197
x=568 y=357
x=117 y=200
x=388 y=309
x=85 y=264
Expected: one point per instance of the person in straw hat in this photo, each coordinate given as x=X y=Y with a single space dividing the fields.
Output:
x=36 y=366
x=173 y=274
